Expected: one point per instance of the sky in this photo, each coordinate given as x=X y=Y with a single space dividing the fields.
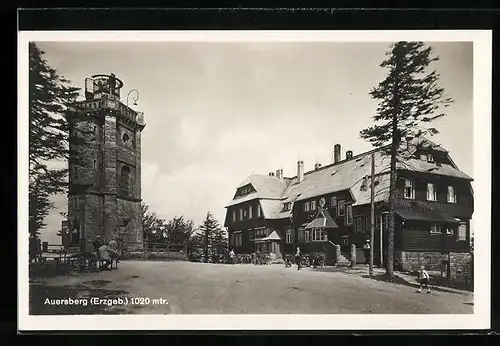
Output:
x=217 y=112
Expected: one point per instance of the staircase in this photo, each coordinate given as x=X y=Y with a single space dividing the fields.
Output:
x=329 y=250
x=343 y=262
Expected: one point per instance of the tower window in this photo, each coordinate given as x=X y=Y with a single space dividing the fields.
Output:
x=125 y=138
x=125 y=180
x=94 y=164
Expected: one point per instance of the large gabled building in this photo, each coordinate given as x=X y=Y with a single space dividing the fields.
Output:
x=330 y=205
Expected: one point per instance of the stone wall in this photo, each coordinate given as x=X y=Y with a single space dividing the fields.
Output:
x=109 y=155
x=137 y=192
x=460 y=264
x=411 y=261
x=110 y=217
x=132 y=231
x=94 y=217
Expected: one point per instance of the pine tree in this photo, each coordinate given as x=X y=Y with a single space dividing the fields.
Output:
x=409 y=98
x=209 y=229
x=219 y=242
x=49 y=97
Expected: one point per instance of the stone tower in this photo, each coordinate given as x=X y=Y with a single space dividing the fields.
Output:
x=104 y=197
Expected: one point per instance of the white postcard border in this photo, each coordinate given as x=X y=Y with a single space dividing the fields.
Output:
x=482 y=195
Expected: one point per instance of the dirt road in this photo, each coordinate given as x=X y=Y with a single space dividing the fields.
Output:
x=197 y=288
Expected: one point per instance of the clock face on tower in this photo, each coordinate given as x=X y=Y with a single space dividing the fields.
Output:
x=322 y=202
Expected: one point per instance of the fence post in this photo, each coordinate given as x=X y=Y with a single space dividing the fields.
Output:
x=337 y=253
x=353 y=255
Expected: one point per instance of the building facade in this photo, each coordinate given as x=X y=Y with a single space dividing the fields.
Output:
x=105 y=167
x=330 y=205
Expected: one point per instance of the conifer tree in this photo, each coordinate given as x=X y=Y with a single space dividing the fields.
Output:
x=210 y=230
x=49 y=97
x=409 y=99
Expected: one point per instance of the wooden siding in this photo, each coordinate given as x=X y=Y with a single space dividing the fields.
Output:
x=419 y=238
x=464 y=206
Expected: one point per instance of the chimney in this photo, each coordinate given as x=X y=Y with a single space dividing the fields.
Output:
x=348 y=154
x=336 y=153
x=300 y=171
x=279 y=174
x=317 y=166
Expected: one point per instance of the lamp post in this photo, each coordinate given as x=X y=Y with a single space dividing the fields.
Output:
x=135 y=98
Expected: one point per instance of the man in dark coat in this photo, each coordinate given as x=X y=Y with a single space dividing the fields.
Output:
x=366 y=251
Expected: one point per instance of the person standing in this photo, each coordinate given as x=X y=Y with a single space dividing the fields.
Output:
x=114 y=245
x=424 y=280
x=231 y=256
x=366 y=251
x=297 y=257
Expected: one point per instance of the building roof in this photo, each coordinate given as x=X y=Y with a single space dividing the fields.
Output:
x=417 y=165
x=266 y=187
x=271 y=208
x=348 y=174
x=425 y=215
x=272 y=236
x=322 y=220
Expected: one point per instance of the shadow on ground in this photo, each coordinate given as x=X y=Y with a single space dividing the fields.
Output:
x=40 y=292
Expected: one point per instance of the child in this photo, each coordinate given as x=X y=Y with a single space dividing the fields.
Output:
x=297 y=258
x=231 y=256
x=424 y=280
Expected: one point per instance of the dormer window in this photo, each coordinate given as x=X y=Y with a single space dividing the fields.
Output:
x=287 y=206
x=333 y=201
x=430 y=158
x=341 y=208
x=244 y=190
